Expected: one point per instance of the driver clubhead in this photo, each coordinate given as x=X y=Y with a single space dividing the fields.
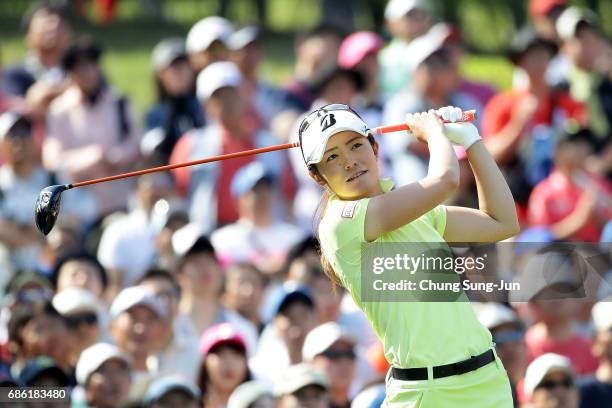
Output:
x=48 y=207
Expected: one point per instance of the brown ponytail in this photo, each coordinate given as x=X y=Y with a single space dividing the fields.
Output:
x=319 y=213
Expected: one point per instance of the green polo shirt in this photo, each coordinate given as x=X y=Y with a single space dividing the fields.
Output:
x=414 y=334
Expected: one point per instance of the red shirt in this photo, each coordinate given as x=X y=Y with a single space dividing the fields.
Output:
x=577 y=349
x=227 y=210
x=498 y=111
x=555 y=197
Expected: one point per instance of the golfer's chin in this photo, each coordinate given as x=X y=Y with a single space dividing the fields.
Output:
x=358 y=188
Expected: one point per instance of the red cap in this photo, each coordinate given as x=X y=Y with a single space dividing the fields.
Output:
x=356 y=46
x=220 y=334
x=538 y=8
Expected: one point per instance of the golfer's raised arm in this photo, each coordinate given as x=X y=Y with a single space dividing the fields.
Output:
x=495 y=219
x=390 y=211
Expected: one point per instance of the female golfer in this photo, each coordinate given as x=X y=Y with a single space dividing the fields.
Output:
x=441 y=356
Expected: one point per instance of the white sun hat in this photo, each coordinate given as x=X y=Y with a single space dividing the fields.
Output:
x=216 y=76
x=206 y=31
x=322 y=125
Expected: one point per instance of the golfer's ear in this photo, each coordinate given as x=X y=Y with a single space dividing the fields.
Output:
x=317 y=178
x=375 y=148
x=374 y=144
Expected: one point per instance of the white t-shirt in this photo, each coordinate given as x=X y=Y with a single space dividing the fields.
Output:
x=181 y=356
x=128 y=244
x=271 y=358
x=243 y=241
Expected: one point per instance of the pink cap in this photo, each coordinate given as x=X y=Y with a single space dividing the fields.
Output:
x=356 y=46
x=220 y=334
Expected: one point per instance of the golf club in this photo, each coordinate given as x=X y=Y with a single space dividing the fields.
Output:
x=49 y=200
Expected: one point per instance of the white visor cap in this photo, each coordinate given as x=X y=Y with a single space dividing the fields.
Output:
x=323 y=127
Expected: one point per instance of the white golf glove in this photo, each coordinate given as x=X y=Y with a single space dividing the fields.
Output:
x=462 y=134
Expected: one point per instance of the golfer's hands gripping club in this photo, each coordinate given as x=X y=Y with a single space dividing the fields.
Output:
x=424 y=125
x=460 y=133
x=466 y=116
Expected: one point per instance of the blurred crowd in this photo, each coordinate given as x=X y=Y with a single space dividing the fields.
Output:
x=204 y=286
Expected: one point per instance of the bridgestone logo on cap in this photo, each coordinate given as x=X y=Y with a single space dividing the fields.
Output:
x=327 y=121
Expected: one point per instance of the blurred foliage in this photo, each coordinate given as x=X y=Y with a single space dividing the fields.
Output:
x=486 y=25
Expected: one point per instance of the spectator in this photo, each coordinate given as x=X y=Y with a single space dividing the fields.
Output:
x=590 y=53
x=20 y=182
x=550 y=283
x=258 y=236
x=508 y=333
x=596 y=391
x=544 y=15
x=172 y=391
x=330 y=349
x=22 y=289
x=335 y=305
x=66 y=237
x=179 y=342
x=104 y=377
x=82 y=270
x=331 y=305
x=8 y=101
x=176 y=218
x=26 y=288
x=406 y=20
x=302 y=258
x=550 y=382
x=359 y=51
x=21 y=179
x=243 y=291
x=327 y=300
x=302 y=385
x=435 y=83
x=80 y=309
x=92 y=131
x=281 y=342
x=199 y=275
x=127 y=246
x=176 y=110
x=315 y=50
x=230 y=130
x=481 y=91
x=247 y=53
x=518 y=125
x=571 y=202
x=207 y=42
x=43 y=372
x=252 y=394
x=224 y=364
x=139 y=320
x=38 y=330
x=40 y=76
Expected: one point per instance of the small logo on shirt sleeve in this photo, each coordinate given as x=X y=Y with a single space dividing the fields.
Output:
x=349 y=209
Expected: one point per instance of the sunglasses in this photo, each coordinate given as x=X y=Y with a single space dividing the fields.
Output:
x=505 y=337
x=78 y=320
x=550 y=384
x=339 y=354
x=322 y=113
